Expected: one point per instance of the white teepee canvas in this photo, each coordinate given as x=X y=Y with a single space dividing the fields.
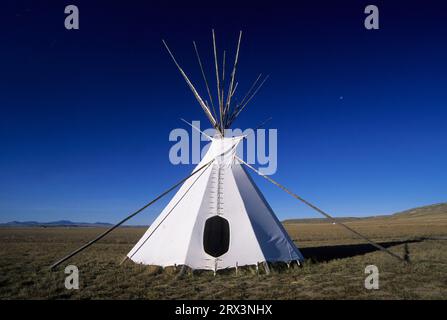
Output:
x=218 y=219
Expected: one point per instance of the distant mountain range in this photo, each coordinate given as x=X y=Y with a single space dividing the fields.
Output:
x=434 y=211
x=60 y=223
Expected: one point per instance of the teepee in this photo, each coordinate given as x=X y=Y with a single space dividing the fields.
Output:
x=218 y=218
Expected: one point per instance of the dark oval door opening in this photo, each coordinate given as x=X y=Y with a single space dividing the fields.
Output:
x=216 y=236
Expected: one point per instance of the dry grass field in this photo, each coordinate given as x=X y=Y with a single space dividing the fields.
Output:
x=334 y=268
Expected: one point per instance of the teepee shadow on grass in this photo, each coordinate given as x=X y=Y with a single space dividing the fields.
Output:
x=328 y=253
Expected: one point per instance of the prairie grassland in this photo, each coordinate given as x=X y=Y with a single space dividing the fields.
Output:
x=334 y=268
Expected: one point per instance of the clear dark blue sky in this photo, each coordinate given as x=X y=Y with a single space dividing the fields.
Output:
x=85 y=115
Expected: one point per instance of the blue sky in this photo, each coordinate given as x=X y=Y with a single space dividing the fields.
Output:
x=86 y=114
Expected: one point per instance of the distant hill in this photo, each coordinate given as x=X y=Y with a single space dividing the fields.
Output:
x=60 y=223
x=321 y=220
x=430 y=212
